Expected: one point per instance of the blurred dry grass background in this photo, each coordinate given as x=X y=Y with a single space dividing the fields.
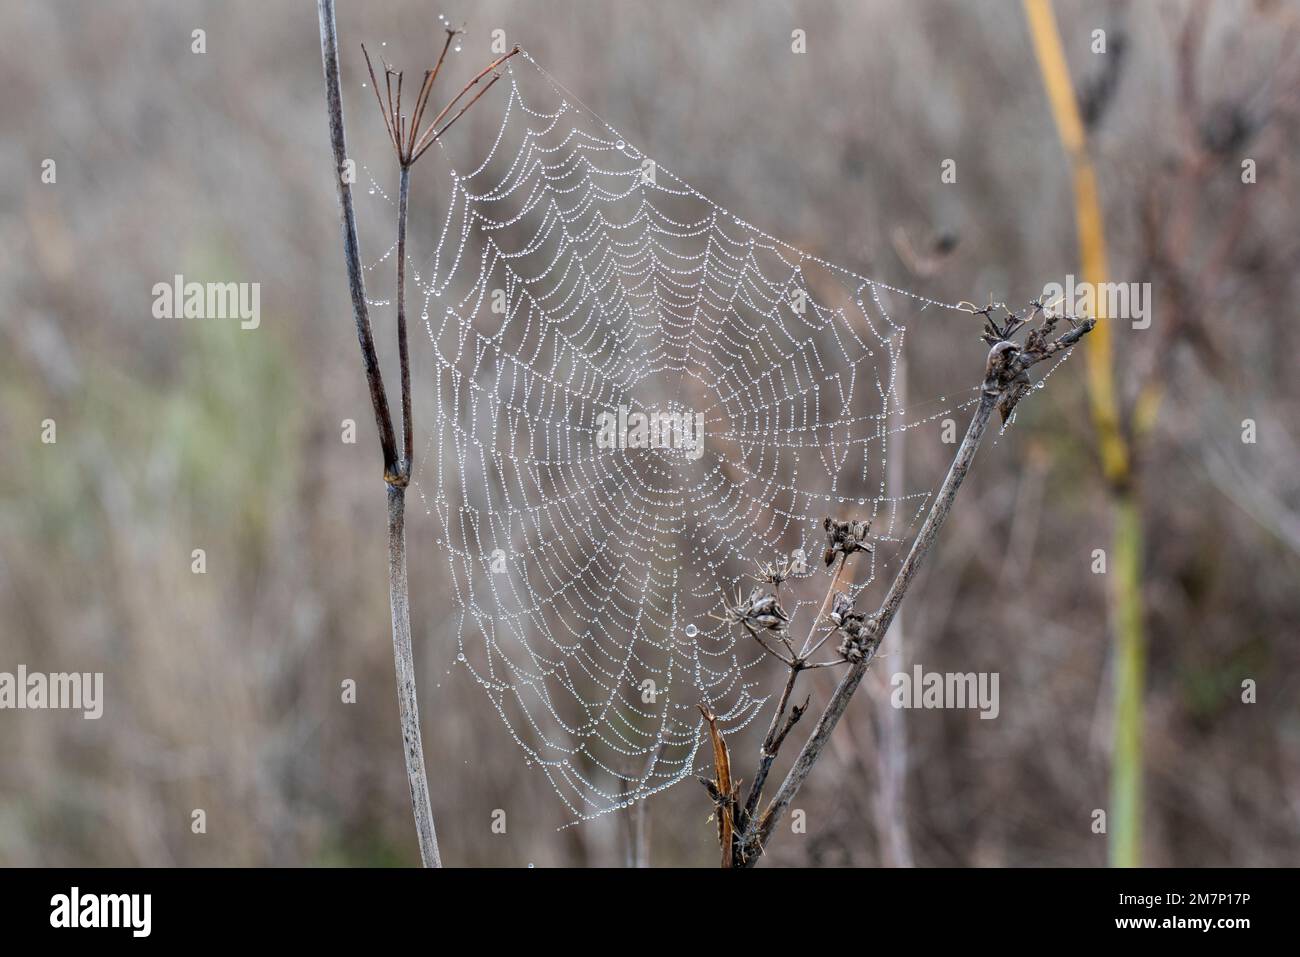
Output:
x=223 y=689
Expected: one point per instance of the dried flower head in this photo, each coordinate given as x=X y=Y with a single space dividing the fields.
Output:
x=852 y=650
x=774 y=573
x=858 y=631
x=845 y=538
x=403 y=132
x=759 y=612
x=841 y=609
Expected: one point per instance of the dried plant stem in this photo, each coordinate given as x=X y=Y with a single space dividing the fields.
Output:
x=771 y=744
x=434 y=132
x=812 y=749
x=404 y=663
x=808 y=647
x=1005 y=373
x=403 y=351
x=781 y=723
x=351 y=253
x=396 y=470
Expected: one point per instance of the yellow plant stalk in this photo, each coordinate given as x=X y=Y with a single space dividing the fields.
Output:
x=1124 y=824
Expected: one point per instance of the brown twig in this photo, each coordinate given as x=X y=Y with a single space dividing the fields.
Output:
x=420 y=145
x=403 y=350
x=776 y=734
x=408 y=142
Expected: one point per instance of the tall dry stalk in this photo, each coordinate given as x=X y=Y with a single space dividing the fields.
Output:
x=409 y=144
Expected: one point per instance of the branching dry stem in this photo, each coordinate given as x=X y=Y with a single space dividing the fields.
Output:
x=397 y=463
x=1005 y=383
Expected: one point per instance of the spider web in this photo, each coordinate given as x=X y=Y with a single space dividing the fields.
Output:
x=574 y=276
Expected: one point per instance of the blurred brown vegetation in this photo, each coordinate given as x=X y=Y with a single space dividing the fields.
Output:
x=222 y=690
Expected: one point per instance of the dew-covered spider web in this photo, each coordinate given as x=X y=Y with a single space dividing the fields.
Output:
x=575 y=286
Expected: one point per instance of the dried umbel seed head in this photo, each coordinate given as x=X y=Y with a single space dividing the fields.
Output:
x=759 y=612
x=767 y=611
x=858 y=630
x=841 y=609
x=774 y=573
x=999 y=356
x=845 y=538
x=852 y=650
